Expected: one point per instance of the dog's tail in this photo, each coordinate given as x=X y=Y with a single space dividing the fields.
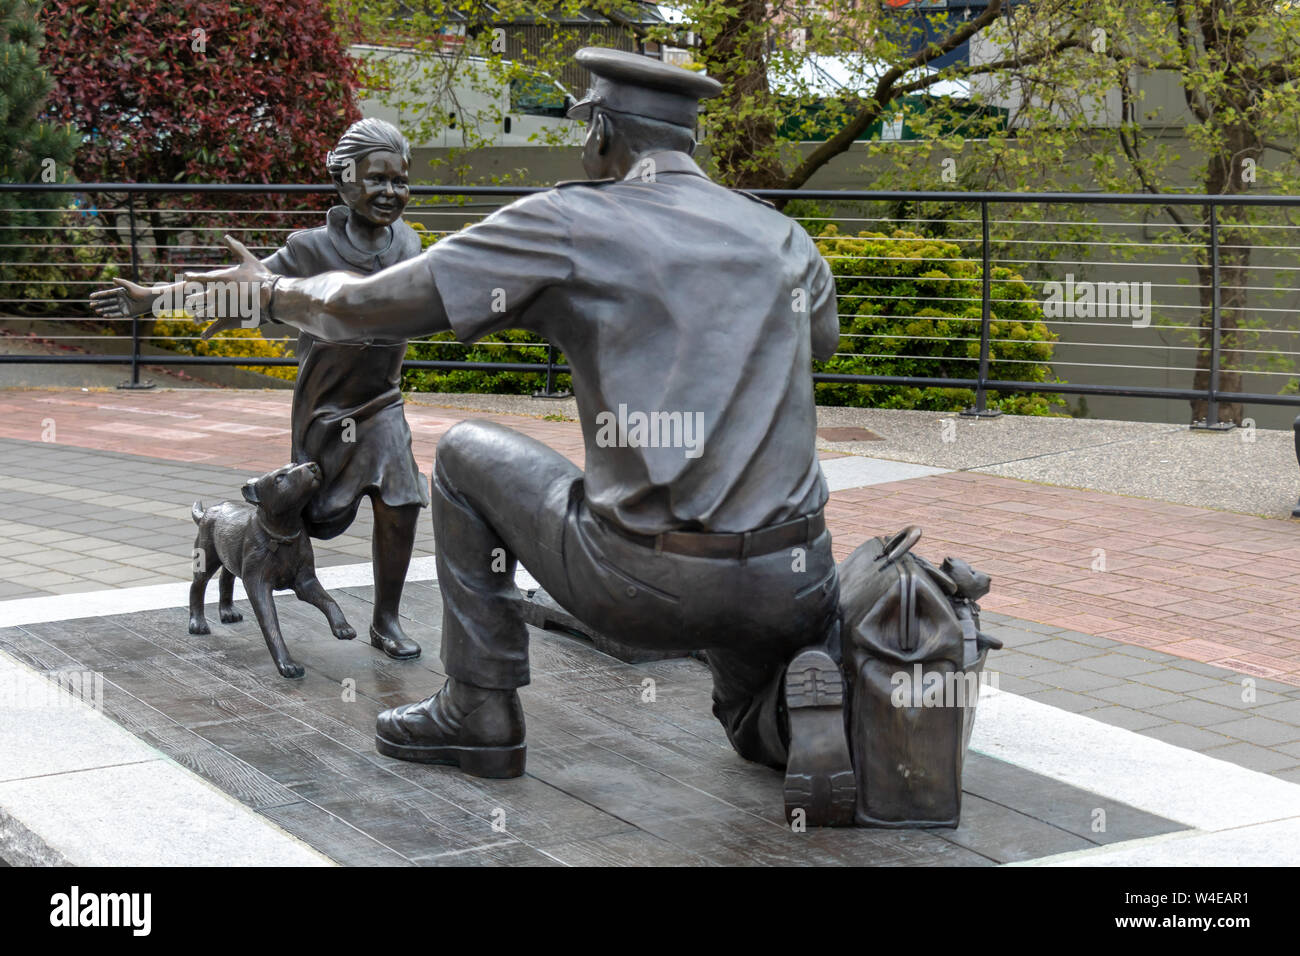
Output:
x=196 y=511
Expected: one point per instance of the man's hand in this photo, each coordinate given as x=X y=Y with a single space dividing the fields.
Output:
x=249 y=282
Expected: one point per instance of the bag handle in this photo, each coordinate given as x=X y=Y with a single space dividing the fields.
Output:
x=900 y=544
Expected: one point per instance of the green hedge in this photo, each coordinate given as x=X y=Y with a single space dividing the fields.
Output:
x=55 y=255
x=920 y=333
x=512 y=345
x=920 y=300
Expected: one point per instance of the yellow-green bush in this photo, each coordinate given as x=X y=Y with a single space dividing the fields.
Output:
x=175 y=330
x=918 y=298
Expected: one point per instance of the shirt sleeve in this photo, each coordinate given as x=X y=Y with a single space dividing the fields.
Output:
x=490 y=274
x=825 y=309
x=284 y=261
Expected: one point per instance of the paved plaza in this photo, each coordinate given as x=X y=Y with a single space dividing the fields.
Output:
x=1145 y=709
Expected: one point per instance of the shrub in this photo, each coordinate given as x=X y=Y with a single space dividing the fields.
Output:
x=177 y=332
x=48 y=274
x=910 y=306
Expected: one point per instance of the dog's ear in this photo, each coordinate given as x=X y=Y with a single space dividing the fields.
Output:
x=250 y=492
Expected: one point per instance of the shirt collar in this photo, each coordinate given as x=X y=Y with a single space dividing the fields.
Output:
x=336 y=227
x=666 y=161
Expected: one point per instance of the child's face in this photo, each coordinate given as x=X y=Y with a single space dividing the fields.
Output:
x=381 y=189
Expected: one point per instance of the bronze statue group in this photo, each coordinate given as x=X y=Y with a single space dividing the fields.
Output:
x=673 y=299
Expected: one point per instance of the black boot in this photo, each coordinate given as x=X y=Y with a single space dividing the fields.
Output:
x=479 y=730
x=819 y=772
x=395 y=644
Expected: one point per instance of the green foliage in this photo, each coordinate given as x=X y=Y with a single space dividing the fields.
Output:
x=910 y=306
x=176 y=331
x=46 y=275
x=512 y=345
x=31 y=151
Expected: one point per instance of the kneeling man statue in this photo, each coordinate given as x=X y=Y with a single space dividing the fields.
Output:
x=690 y=315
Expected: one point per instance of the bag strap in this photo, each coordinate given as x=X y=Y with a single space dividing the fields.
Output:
x=969 y=634
x=908 y=625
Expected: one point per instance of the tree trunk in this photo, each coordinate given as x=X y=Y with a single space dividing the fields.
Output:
x=1234 y=270
x=1225 y=48
x=742 y=136
x=1224 y=177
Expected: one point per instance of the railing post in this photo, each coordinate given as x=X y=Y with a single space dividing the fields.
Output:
x=549 y=391
x=135 y=319
x=1211 y=422
x=980 y=408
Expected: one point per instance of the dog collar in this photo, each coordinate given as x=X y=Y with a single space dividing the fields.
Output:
x=277 y=539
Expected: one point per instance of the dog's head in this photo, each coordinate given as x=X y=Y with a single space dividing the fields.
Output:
x=285 y=490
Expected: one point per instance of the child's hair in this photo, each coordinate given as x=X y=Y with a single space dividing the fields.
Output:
x=362 y=138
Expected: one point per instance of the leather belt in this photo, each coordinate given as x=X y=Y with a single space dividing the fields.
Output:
x=727 y=544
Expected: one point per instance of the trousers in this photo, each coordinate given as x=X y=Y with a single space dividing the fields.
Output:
x=500 y=498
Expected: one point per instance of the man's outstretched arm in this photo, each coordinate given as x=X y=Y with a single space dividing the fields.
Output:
x=400 y=302
x=397 y=303
x=480 y=280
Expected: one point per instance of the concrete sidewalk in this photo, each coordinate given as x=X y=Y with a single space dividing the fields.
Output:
x=1141 y=633
x=614 y=777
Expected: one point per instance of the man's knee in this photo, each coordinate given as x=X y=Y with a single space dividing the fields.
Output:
x=463 y=445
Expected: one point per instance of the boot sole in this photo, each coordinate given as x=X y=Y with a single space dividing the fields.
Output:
x=494 y=762
x=819 y=772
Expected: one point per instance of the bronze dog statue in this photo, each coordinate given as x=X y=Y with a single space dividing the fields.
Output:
x=262 y=541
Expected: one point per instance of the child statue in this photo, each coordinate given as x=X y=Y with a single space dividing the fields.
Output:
x=347 y=403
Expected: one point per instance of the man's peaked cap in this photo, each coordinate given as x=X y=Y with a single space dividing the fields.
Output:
x=643 y=86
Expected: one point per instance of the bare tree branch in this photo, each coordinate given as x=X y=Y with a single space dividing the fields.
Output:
x=1132 y=152
x=885 y=94
x=1187 y=48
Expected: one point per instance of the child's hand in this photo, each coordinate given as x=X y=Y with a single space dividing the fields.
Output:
x=235 y=297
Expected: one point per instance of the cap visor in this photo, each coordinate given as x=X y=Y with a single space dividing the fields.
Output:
x=580 y=111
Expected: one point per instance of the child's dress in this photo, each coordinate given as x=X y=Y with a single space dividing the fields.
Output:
x=350 y=391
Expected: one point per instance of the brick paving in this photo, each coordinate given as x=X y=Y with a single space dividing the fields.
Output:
x=1170 y=621
x=1197 y=584
x=1204 y=585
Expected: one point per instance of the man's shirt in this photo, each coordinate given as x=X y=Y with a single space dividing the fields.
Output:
x=687 y=313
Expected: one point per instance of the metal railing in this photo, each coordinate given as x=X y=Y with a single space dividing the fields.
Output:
x=1001 y=231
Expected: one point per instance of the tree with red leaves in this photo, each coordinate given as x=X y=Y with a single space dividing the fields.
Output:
x=195 y=91
x=200 y=92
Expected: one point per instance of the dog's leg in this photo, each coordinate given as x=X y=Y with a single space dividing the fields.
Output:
x=206 y=567
x=226 y=607
x=309 y=589
x=263 y=601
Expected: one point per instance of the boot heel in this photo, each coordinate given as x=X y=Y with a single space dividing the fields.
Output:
x=819 y=779
x=496 y=762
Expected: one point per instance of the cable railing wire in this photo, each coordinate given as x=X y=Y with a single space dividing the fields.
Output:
x=166 y=240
